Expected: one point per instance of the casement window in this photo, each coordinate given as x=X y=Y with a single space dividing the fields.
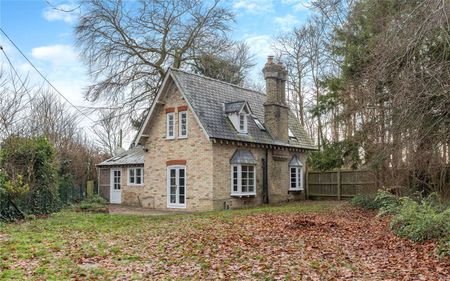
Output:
x=182 y=121
x=243 y=180
x=242 y=123
x=135 y=176
x=243 y=173
x=170 y=125
x=295 y=174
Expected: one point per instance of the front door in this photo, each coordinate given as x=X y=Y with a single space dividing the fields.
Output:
x=116 y=187
x=176 y=187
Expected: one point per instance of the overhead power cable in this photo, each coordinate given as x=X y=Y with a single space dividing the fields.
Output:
x=45 y=78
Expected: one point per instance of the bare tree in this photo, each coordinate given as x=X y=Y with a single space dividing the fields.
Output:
x=50 y=117
x=110 y=130
x=13 y=98
x=129 y=46
x=291 y=49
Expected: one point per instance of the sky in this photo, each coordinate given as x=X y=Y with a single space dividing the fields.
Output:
x=46 y=36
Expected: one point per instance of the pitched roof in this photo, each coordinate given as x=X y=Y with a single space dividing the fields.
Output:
x=295 y=161
x=242 y=156
x=133 y=156
x=209 y=97
x=235 y=106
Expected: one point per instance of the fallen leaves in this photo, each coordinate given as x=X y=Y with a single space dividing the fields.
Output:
x=345 y=244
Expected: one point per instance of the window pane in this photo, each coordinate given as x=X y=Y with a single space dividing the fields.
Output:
x=294 y=177
x=183 y=121
x=235 y=178
x=250 y=184
x=170 y=124
x=181 y=173
x=138 y=180
x=300 y=177
x=181 y=186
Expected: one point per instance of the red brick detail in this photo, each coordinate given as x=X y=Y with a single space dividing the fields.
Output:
x=170 y=109
x=175 y=162
x=182 y=108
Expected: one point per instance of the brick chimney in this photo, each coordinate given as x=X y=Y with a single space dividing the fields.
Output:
x=275 y=107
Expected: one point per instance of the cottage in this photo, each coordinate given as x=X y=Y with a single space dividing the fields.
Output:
x=208 y=145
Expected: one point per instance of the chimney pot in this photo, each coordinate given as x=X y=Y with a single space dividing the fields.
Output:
x=275 y=108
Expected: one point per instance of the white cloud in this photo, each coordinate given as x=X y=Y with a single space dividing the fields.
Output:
x=254 y=6
x=260 y=45
x=64 y=12
x=286 y=22
x=297 y=5
x=56 y=54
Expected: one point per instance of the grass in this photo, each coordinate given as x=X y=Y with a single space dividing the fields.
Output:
x=60 y=241
x=237 y=244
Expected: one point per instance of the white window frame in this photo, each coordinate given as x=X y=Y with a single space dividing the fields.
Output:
x=180 y=131
x=177 y=168
x=134 y=176
x=170 y=134
x=243 y=117
x=239 y=180
x=298 y=178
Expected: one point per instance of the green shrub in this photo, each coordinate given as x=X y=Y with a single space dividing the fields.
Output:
x=444 y=247
x=365 y=201
x=96 y=199
x=387 y=202
x=92 y=204
x=420 y=221
x=29 y=184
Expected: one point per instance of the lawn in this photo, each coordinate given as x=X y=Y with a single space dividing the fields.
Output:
x=302 y=241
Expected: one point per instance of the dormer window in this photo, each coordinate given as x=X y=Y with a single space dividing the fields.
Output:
x=242 y=123
x=291 y=135
x=238 y=113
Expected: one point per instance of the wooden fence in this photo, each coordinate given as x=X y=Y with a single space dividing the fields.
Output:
x=340 y=183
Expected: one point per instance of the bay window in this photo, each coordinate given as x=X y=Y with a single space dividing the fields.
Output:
x=295 y=174
x=243 y=173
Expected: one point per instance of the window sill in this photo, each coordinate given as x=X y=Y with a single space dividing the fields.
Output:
x=135 y=184
x=295 y=190
x=183 y=137
x=176 y=206
x=243 y=195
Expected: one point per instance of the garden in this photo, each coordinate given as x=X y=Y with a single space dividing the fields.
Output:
x=312 y=240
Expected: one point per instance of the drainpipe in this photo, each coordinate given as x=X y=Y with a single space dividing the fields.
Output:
x=266 y=178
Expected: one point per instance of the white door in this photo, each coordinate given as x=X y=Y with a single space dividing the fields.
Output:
x=116 y=187
x=176 y=187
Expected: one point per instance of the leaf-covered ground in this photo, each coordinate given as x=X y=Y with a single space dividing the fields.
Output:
x=303 y=241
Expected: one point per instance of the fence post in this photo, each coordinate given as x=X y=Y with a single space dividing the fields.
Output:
x=339 y=185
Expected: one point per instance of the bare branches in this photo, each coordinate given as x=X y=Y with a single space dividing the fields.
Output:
x=111 y=130
x=129 y=46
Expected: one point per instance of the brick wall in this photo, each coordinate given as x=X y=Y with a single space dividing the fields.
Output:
x=196 y=150
x=278 y=177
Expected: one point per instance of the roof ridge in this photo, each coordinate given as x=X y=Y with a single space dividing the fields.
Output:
x=217 y=80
